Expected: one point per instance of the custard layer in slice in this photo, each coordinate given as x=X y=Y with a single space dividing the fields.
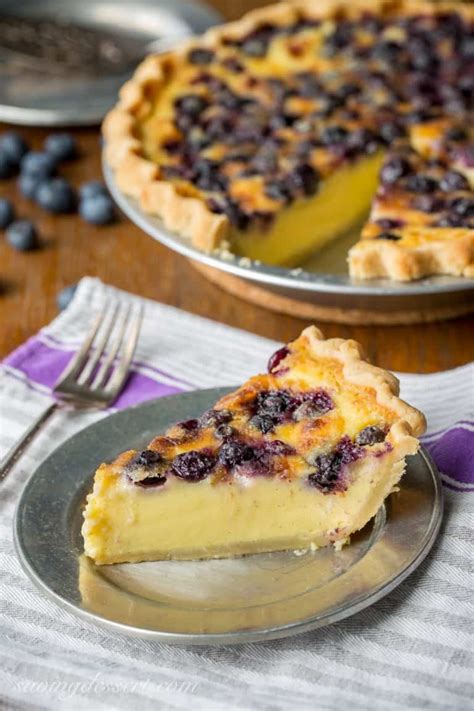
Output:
x=303 y=455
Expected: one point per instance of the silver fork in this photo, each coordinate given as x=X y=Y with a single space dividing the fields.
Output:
x=96 y=374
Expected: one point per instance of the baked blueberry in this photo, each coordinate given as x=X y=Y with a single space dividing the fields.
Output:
x=22 y=235
x=232 y=453
x=61 y=145
x=420 y=183
x=391 y=236
x=56 y=195
x=7 y=213
x=38 y=164
x=13 y=146
x=200 y=56
x=65 y=296
x=98 y=210
x=452 y=180
x=394 y=169
x=194 y=465
x=370 y=435
x=151 y=481
x=275 y=360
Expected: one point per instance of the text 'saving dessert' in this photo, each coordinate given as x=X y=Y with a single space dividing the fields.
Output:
x=299 y=457
x=272 y=135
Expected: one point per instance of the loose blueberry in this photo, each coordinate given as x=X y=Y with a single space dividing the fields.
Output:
x=276 y=358
x=370 y=435
x=92 y=189
x=98 y=210
x=22 y=235
x=7 y=168
x=13 y=146
x=452 y=180
x=394 y=169
x=193 y=465
x=7 y=214
x=390 y=131
x=65 y=296
x=37 y=164
x=233 y=453
x=56 y=195
x=200 y=56
x=28 y=185
x=61 y=145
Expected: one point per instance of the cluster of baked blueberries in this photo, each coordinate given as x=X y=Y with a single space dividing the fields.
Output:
x=38 y=180
x=256 y=456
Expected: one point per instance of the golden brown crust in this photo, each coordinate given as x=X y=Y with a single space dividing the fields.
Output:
x=373 y=259
x=140 y=178
x=358 y=370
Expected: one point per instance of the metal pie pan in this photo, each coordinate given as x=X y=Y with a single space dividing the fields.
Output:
x=256 y=597
x=33 y=96
x=323 y=281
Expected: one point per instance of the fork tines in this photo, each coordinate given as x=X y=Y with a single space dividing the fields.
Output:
x=98 y=370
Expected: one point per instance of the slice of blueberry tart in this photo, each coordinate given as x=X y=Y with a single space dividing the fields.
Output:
x=267 y=136
x=301 y=456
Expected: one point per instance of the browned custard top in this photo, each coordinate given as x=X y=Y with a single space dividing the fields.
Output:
x=254 y=123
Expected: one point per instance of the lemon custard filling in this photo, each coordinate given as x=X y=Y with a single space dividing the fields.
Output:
x=279 y=127
x=298 y=456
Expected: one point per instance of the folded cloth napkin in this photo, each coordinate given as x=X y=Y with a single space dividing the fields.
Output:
x=413 y=649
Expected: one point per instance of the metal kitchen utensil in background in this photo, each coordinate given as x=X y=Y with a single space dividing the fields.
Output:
x=63 y=62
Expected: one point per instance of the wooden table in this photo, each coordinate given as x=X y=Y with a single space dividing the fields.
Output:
x=122 y=255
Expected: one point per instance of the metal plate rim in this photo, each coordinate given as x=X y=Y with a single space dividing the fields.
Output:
x=277 y=276
x=235 y=637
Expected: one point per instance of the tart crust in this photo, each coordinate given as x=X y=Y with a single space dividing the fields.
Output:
x=140 y=178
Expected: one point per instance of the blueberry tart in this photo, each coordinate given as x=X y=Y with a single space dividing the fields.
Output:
x=299 y=457
x=270 y=136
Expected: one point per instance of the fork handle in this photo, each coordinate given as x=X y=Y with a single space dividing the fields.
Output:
x=17 y=450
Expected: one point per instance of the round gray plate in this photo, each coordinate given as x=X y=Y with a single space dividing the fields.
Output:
x=323 y=280
x=218 y=601
x=33 y=96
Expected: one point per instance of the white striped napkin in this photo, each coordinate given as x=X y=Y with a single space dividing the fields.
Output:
x=413 y=649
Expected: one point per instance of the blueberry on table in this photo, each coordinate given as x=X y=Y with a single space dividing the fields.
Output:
x=7 y=168
x=39 y=164
x=61 y=145
x=6 y=213
x=13 y=146
x=28 y=185
x=92 y=189
x=98 y=210
x=22 y=235
x=56 y=195
x=65 y=296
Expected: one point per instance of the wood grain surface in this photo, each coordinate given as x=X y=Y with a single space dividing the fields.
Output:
x=122 y=255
